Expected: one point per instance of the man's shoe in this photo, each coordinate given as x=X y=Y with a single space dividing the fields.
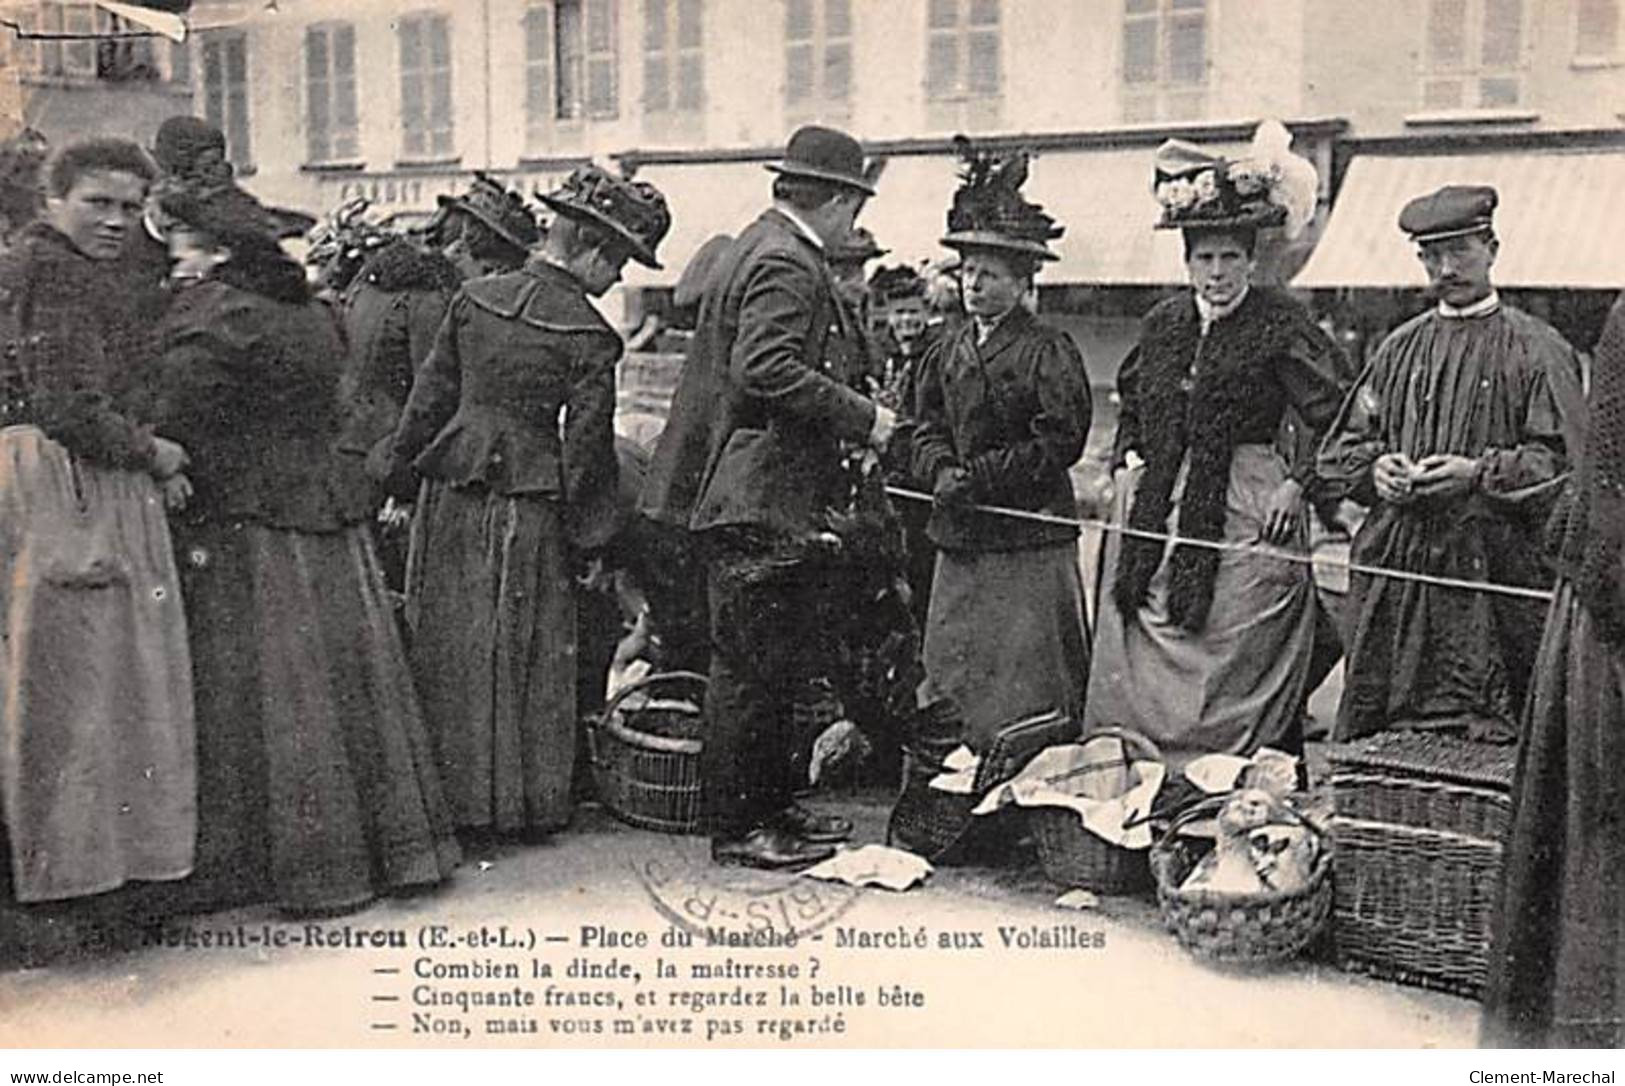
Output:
x=811 y=826
x=768 y=847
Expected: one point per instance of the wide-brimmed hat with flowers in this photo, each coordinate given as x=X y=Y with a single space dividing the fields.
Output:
x=1267 y=187
x=499 y=208
x=989 y=211
x=634 y=211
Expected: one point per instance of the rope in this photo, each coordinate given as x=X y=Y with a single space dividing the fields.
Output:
x=1246 y=548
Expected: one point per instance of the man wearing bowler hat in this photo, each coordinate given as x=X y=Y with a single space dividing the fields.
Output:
x=1457 y=437
x=750 y=462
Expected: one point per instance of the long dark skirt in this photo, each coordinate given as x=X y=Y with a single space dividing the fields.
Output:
x=492 y=607
x=1557 y=972
x=1006 y=636
x=316 y=781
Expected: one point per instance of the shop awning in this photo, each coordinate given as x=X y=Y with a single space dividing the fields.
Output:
x=1102 y=197
x=1561 y=220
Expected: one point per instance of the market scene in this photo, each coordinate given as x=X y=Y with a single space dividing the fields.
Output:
x=1140 y=471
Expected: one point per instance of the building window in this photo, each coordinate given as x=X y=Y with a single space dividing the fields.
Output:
x=1164 y=59
x=1474 y=54
x=673 y=68
x=538 y=31
x=331 y=127
x=817 y=56
x=123 y=59
x=962 y=50
x=587 y=60
x=426 y=118
x=1596 y=30
x=58 y=57
x=225 y=91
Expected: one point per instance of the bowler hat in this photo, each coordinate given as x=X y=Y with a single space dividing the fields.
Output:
x=634 y=211
x=825 y=154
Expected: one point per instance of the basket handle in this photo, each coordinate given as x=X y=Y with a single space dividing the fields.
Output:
x=1214 y=804
x=647 y=681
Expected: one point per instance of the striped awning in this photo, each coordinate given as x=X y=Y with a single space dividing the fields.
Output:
x=1561 y=219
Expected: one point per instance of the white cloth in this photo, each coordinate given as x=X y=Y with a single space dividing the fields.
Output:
x=1061 y=777
x=873 y=865
x=961 y=776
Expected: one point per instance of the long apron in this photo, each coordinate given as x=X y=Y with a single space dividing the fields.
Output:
x=1238 y=683
x=97 y=763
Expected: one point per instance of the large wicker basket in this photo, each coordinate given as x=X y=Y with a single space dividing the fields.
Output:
x=646 y=761
x=1072 y=856
x=1237 y=928
x=1418 y=825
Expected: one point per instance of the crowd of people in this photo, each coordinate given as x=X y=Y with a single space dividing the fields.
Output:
x=303 y=572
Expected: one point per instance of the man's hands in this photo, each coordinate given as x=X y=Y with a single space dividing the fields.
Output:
x=1444 y=475
x=1284 y=514
x=885 y=425
x=1401 y=480
x=952 y=488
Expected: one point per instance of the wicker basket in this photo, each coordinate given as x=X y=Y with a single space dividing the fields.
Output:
x=1239 y=928
x=1418 y=828
x=644 y=778
x=932 y=823
x=1072 y=856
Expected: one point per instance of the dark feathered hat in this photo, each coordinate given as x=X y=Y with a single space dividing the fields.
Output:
x=989 y=211
x=499 y=208
x=635 y=211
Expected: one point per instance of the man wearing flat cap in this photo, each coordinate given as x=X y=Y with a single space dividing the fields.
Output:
x=1457 y=437
x=750 y=461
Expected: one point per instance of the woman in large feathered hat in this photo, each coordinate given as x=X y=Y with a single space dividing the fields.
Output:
x=1002 y=406
x=1202 y=650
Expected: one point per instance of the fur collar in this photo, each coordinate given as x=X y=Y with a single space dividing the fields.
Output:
x=401 y=265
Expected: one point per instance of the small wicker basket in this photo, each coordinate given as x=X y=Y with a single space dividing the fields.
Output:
x=1237 y=928
x=1072 y=856
x=645 y=778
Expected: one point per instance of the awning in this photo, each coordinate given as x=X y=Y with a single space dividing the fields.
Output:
x=1561 y=221
x=166 y=23
x=1102 y=197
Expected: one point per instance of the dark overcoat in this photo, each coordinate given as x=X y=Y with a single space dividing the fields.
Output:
x=757 y=421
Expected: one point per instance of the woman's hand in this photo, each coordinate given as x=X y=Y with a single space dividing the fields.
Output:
x=1284 y=514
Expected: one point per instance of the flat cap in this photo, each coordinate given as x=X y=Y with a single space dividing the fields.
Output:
x=1450 y=212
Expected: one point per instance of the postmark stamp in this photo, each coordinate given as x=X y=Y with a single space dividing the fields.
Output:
x=736 y=906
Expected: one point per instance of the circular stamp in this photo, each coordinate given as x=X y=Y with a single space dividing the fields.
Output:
x=737 y=906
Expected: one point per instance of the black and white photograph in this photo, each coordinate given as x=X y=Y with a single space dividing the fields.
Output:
x=813 y=525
